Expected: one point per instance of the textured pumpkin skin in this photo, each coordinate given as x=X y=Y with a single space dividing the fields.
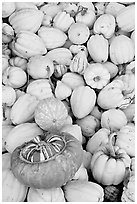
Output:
x=12 y=189
x=51 y=114
x=26 y=19
x=52 y=173
x=82 y=101
x=83 y=191
x=20 y=134
x=45 y=195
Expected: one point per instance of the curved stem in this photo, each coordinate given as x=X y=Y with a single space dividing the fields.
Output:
x=111 y=147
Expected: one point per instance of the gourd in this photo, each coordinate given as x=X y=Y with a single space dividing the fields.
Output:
x=97 y=47
x=12 y=189
x=6 y=110
x=114 y=8
x=60 y=70
x=86 y=159
x=96 y=76
x=50 y=114
x=18 y=62
x=75 y=49
x=112 y=68
x=25 y=5
x=21 y=133
x=22 y=48
x=96 y=112
x=5 y=131
x=113 y=119
x=60 y=154
x=100 y=8
x=81 y=174
x=14 y=77
x=121 y=50
x=45 y=195
x=83 y=191
x=7 y=33
x=25 y=105
x=78 y=33
x=125 y=18
x=7 y=9
x=82 y=101
x=109 y=163
x=63 y=21
x=26 y=19
x=87 y=5
x=130 y=112
x=52 y=37
x=5 y=62
x=50 y=9
x=39 y=67
x=8 y=95
x=62 y=91
x=105 y=25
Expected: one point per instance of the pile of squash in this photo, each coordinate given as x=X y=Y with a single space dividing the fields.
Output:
x=68 y=101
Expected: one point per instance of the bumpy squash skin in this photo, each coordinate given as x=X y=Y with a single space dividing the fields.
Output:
x=53 y=173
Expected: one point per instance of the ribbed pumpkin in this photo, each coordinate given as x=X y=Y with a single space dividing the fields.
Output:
x=82 y=101
x=51 y=114
x=26 y=19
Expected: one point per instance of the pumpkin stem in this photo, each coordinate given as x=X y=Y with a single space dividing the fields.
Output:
x=110 y=145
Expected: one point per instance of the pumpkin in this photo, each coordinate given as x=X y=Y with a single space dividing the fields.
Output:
x=7 y=9
x=60 y=55
x=5 y=63
x=25 y=5
x=126 y=18
x=121 y=50
x=113 y=119
x=40 y=67
x=5 y=131
x=12 y=189
x=75 y=49
x=40 y=88
x=82 y=101
x=23 y=109
x=14 y=77
x=8 y=95
x=83 y=191
x=100 y=137
x=18 y=62
x=96 y=76
x=112 y=68
x=81 y=174
x=62 y=21
x=50 y=114
x=97 y=47
x=59 y=70
x=129 y=112
x=21 y=133
x=62 y=91
x=125 y=139
x=89 y=125
x=60 y=154
x=52 y=37
x=78 y=33
x=79 y=63
x=105 y=25
x=108 y=163
x=50 y=9
x=45 y=195
x=73 y=80
x=26 y=19
x=113 y=8
x=7 y=33
x=22 y=48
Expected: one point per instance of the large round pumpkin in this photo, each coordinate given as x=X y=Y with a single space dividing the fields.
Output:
x=51 y=114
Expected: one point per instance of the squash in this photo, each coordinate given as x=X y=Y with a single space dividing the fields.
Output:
x=96 y=76
x=83 y=191
x=96 y=112
x=20 y=134
x=45 y=195
x=78 y=33
x=87 y=5
x=23 y=109
x=52 y=37
x=7 y=9
x=97 y=47
x=86 y=159
x=8 y=95
x=113 y=119
x=105 y=25
x=40 y=88
x=62 y=91
x=82 y=101
x=18 y=62
x=60 y=154
x=27 y=44
x=121 y=50
x=7 y=33
x=5 y=50
x=100 y=137
x=112 y=68
x=26 y=19
x=60 y=70
x=114 y=8
x=50 y=114
x=50 y=9
x=12 y=189
x=100 y=8
x=39 y=67
x=89 y=125
x=79 y=63
x=14 y=77
x=81 y=174
x=5 y=62
x=109 y=163
x=5 y=131
x=126 y=18
x=130 y=112
x=75 y=49
x=133 y=36
x=25 y=5
x=47 y=21
x=62 y=21
x=60 y=55
x=6 y=115
x=73 y=80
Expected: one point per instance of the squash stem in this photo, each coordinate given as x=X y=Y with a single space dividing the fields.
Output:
x=111 y=147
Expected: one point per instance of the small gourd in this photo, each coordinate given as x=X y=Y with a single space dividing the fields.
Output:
x=59 y=70
x=112 y=68
x=62 y=91
x=113 y=8
x=8 y=95
x=18 y=62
